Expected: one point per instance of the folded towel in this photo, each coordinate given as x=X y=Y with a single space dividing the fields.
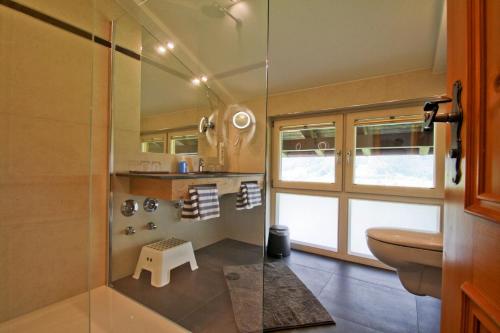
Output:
x=248 y=196
x=202 y=203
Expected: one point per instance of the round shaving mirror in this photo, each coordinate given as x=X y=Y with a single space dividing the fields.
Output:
x=242 y=120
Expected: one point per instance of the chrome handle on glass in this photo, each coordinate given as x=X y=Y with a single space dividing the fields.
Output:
x=348 y=157
x=338 y=156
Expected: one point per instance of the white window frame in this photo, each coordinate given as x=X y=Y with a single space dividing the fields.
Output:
x=439 y=151
x=276 y=156
x=345 y=140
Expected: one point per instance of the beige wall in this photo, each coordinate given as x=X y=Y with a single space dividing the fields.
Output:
x=250 y=157
x=54 y=156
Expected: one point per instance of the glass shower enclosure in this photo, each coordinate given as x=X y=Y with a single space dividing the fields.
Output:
x=189 y=85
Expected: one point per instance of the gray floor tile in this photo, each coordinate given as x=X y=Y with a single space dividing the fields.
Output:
x=373 y=275
x=315 y=261
x=429 y=314
x=314 y=279
x=360 y=299
x=215 y=316
x=342 y=326
x=378 y=307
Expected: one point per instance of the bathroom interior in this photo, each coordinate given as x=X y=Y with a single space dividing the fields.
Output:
x=230 y=166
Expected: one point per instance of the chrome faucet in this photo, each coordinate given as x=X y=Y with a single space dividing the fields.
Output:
x=201 y=165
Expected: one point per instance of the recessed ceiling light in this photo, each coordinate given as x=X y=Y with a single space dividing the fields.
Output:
x=170 y=45
x=204 y=78
x=161 y=49
x=196 y=81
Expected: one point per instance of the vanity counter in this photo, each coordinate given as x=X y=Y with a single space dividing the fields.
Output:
x=174 y=186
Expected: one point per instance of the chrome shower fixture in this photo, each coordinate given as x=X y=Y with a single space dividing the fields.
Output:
x=129 y=207
x=150 y=205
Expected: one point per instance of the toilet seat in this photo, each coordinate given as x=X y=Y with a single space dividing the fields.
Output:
x=408 y=238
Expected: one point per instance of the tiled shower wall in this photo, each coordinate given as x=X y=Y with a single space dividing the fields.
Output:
x=53 y=151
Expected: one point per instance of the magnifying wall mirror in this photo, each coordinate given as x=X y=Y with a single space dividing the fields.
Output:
x=242 y=120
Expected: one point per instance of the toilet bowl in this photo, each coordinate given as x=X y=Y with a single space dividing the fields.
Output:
x=416 y=255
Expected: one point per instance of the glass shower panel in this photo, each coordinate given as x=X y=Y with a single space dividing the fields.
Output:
x=45 y=166
x=189 y=87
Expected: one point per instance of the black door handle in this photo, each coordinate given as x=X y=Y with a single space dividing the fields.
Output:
x=455 y=118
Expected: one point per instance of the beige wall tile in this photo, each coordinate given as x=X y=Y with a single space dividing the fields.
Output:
x=46 y=263
x=48 y=147
x=101 y=81
x=79 y=13
x=100 y=146
x=46 y=71
x=45 y=144
x=98 y=231
x=46 y=199
x=126 y=92
x=128 y=33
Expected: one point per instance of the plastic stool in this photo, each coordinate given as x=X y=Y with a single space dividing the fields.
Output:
x=161 y=257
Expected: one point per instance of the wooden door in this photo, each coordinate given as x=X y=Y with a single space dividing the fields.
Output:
x=471 y=264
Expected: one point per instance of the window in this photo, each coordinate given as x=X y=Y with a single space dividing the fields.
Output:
x=364 y=214
x=153 y=143
x=313 y=220
x=184 y=144
x=393 y=151
x=308 y=152
x=389 y=152
x=335 y=176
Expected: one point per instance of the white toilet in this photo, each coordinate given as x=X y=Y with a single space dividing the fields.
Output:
x=416 y=255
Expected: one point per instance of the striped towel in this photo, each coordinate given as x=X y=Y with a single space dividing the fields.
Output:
x=202 y=203
x=248 y=196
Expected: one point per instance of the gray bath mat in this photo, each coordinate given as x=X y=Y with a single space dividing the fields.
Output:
x=287 y=302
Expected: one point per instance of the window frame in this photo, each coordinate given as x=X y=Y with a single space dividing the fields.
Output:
x=162 y=137
x=276 y=152
x=439 y=152
x=171 y=137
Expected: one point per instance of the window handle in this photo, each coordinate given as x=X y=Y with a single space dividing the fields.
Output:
x=348 y=157
x=338 y=157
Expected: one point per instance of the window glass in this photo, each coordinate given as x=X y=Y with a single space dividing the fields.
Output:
x=184 y=145
x=364 y=214
x=312 y=220
x=153 y=145
x=308 y=153
x=394 y=151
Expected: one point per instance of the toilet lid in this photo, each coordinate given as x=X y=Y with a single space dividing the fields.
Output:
x=407 y=237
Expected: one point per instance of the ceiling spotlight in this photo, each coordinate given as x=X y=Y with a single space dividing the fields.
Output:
x=170 y=45
x=204 y=78
x=196 y=81
x=161 y=49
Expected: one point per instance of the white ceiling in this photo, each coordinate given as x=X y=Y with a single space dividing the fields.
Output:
x=311 y=43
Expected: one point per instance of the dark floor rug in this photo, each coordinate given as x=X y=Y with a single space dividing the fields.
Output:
x=286 y=301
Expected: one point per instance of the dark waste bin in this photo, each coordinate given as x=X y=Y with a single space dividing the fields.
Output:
x=278 y=244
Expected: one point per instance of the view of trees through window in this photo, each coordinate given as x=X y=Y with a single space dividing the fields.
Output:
x=308 y=154
x=394 y=153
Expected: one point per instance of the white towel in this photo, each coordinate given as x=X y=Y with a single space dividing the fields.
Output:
x=248 y=196
x=202 y=203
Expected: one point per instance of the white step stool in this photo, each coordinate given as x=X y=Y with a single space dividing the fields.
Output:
x=161 y=257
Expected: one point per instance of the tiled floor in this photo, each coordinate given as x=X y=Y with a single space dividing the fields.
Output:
x=359 y=298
